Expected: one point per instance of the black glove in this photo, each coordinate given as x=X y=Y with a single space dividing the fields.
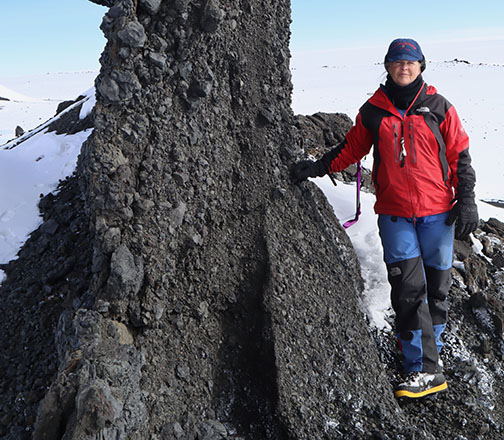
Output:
x=308 y=168
x=465 y=212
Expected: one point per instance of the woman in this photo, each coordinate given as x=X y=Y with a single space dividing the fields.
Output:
x=424 y=183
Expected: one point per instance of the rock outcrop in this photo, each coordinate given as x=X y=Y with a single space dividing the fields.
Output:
x=181 y=287
x=211 y=313
x=203 y=247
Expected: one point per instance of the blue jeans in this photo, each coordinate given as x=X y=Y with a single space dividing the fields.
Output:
x=419 y=254
x=427 y=237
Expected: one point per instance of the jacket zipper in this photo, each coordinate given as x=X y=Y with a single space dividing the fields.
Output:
x=396 y=143
x=412 y=143
x=403 y=161
x=403 y=154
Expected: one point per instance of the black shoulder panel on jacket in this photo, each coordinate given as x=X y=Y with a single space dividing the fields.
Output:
x=372 y=117
x=436 y=104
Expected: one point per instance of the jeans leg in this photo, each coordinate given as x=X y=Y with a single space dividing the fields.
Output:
x=402 y=254
x=413 y=321
x=436 y=241
x=438 y=286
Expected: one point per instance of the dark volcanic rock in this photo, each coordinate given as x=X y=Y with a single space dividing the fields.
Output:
x=320 y=133
x=51 y=275
x=236 y=291
x=19 y=131
x=69 y=122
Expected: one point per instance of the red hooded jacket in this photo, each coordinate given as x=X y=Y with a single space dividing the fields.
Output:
x=421 y=159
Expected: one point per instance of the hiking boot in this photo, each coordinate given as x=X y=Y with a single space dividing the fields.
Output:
x=419 y=384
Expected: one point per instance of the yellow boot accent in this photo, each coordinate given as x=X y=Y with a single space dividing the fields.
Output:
x=406 y=393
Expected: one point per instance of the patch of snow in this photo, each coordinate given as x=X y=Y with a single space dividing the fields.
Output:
x=89 y=103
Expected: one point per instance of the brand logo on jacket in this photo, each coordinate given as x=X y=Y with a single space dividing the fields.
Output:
x=423 y=110
x=395 y=271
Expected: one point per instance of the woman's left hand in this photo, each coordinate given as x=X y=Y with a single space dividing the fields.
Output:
x=465 y=213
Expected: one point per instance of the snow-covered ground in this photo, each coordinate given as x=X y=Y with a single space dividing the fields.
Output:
x=331 y=81
x=35 y=167
x=34 y=98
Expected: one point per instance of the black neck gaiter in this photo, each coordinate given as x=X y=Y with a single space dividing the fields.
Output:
x=402 y=96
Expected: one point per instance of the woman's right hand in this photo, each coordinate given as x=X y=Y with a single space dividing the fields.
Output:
x=307 y=168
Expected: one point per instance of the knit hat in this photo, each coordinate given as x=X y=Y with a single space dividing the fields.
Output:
x=404 y=49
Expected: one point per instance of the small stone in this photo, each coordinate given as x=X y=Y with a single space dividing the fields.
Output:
x=177 y=215
x=173 y=429
x=185 y=70
x=111 y=239
x=6 y=419
x=196 y=240
x=180 y=178
x=19 y=131
x=278 y=193
x=50 y=227
x=178 y=432
x=212 y=16
x=122 y=333
x=126 y=273
x=484 y=429
x=267 y=115
x=132 y=35
x=203 y=310
x=199 y=89
x=158 y=59
x=218 y=427
x=108 y=88
x=151 y=6
x=182 y=372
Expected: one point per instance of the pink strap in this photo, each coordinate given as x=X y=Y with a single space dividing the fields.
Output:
x=357 y=201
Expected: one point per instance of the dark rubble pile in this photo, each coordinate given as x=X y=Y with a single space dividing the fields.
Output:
x=322 y=131
x=69 y=122
x=51 y=275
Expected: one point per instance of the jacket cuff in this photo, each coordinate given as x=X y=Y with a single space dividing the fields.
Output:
x=320 y=168
x=466 y=200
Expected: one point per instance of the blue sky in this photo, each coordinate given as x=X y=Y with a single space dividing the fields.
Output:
x=329 y=23
x=39 y=36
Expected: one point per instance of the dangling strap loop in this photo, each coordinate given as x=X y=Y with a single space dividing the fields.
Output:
x=357 y=201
